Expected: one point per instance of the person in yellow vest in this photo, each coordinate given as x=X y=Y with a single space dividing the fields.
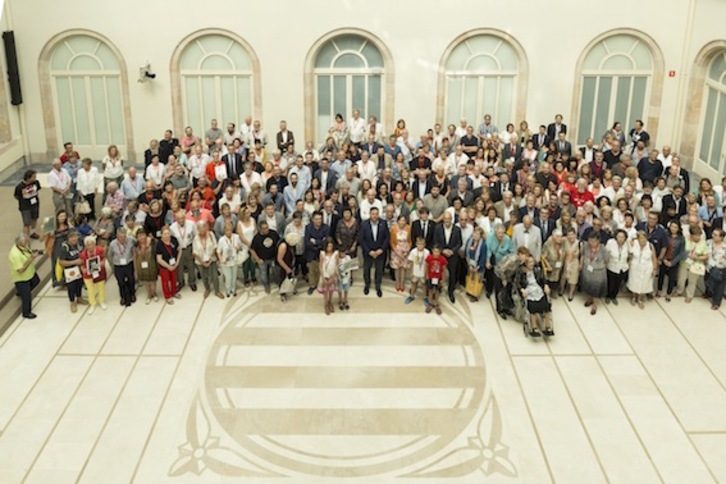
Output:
x=22 y=272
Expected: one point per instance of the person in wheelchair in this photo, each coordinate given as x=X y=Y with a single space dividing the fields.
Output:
x=505 y=273
x=536 y=295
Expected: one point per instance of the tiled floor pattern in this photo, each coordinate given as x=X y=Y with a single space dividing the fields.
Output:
x=249 y=388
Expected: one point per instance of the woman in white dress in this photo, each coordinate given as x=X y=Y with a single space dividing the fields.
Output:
x=643 y=269
x=228 y=247
x=246 y=229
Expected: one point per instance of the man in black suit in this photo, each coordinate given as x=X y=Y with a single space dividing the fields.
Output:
x=563 y=146
x=234 y=163
x=541 y=139
x=448 y=237
x=676 y=201
x=499 y=187
x=167 y=145
x=370 y=146
x=374 y=238
x=285 y=137
x=423 y=227
x=554 y=129
x=421 y=185
x=530 y=208
x=326 y=176
x=330 y=218
x=512 y=151
x=545 y=223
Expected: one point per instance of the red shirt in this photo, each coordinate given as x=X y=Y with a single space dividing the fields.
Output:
x=64 y=156
x=96 y=262
x=436 y=266
x=579 y=199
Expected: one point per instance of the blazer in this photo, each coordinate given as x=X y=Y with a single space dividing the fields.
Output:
x=417 y=231
x=507 y=151
x=523 y=211
x=279 y=221
x=565 y=148
x=499 y=206
x=282 y=146
x=670 y=201
x=231 y=158
x=368 y=243
x=545 y=140
x=535 y=240
x=551 y=130
x=334 y=219
x=469 y=182
x=332 y=179
x=545 y=231
x=455 y=241
x=416 y=185
x=371 y=148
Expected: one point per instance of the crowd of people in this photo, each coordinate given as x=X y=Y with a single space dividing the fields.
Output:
x=517 y=213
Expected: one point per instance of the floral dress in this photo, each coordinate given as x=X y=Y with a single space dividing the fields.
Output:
x=401 y=247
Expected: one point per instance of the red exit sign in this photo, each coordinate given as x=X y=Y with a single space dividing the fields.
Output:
x=671 y=73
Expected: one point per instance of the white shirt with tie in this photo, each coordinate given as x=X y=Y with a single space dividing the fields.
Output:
x=374 y=230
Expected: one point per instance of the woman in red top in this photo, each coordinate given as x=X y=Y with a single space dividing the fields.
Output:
x=435 y=274
x=168 y=259
x=93 y=268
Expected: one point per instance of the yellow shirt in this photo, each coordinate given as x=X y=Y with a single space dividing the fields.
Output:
x=17 y=258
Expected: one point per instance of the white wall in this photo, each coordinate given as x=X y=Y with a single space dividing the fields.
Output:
x=553 y=35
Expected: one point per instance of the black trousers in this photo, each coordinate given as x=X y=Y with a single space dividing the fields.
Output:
x=452 y=266
x=126 y=285
x=75 y=288
x=503 y=295
x=715 y=285
x=615 y=280
x=672 y=273
x=24 y=289
x=379 y=263
x=489 y=280
x=301 y=265
x=91 y=199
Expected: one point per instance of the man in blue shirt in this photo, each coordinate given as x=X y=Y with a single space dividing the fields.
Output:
x=315 y=234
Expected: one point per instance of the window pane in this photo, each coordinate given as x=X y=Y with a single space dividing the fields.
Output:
x=719 y=133
x=193 y=101
x=100 y=123
x=324 y=95
x=216 y=63
x=489 y=104
x=507 y=57
x=483 y=64
x=60 y=58
x=718 y=68
x=227 y=95
x=83 y=43
x=587 y=101
x=340 y=101
x=359 y=94
x=708 y=122
x=618 y=63
x=349 y=42
x=471 y=99
x=115 y=110
x=602 y=110
x=215 y=43
x=505 y=113
x=349 y=61
x=637 y=104
x=374 y=97
x=80 y=104
x=240 y=57
x=620 y=43
x=484 y=43
x=594 y=57
x=191 y=57
x=244 y=97
x=372 y=55
x=458 y=57
x=324 y=59
x=65 y=108
x=85 y=63
x=209 y=104
x=453 y=100
x=622 y=102
x=641 y=56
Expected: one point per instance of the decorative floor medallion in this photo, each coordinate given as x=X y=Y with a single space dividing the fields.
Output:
x=352 y=395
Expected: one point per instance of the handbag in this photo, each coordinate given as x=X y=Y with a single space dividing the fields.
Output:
x=697 y=268
x=288 y=285
x=474 y=284
x=83 y=207
x=72 y=273
x=241 y=257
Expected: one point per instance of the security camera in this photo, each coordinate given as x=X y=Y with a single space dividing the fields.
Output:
x=145 y=73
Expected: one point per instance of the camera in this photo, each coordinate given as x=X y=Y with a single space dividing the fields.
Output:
x=145 y=73
x=38 y=251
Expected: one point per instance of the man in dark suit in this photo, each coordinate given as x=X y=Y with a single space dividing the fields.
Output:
x=541 y=139
x=530 y=208
x=167 y=145
x=676 y=201
x=374 y=238
x=562 y=145
x=370 y=146
x=545 y=223
x=330 y=218
x=421 y=185
x=325 y=176
x=554 y=129
x=512 y=150
x=285 y=137
x=423 y=227
x=234 y=163
x=499 y=187
x=448 y=237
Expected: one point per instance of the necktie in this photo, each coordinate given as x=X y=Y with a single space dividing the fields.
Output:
x=425 y=229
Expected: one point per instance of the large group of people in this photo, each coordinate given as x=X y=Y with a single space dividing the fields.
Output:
x=516 y=213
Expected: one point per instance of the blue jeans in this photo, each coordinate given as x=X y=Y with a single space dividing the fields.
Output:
x=265 y=269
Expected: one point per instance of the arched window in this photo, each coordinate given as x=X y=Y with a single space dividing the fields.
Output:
x=86 y=83
x=217 y=81
x=482 y=73
x=616 y=82
x=349 y=74
x=713 y=122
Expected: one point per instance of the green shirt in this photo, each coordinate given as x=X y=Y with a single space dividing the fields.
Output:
x=18 y=257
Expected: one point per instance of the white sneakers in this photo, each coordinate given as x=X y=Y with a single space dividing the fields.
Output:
x=91 y=310
x=103 y=306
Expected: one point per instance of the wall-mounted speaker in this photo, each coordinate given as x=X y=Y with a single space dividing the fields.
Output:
x=11 y=58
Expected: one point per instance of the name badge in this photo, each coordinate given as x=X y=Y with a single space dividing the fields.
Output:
x=435 y=281
x=590 y=268
x=123 y=261
x=558 y=264
x=33 y=201
x=172 y=261
x=144 y=264
x=158 y=234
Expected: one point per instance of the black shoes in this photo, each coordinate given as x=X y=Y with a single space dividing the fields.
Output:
x=452 y=298
x=548 y=332
x=193 y=287
x=366 y=291
x=379 y=293
x=30 y=316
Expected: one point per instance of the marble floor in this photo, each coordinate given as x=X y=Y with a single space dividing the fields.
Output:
x=248 y=388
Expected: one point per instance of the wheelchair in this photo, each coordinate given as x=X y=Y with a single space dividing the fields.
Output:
x=521 y=314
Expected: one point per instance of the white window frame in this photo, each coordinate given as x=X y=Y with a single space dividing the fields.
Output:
x=720 y=88
x=200 y=125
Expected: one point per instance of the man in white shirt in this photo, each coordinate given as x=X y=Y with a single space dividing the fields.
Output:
x=369 y=202
x=245 y=130
x=376 y=128
x=666 y=157
x=349 y=178
x=526 y=234
x=615 y=190
x=309 y=148
x=461 y=130
x=366 y=168
x=197 y=163
x=184 y=231
x=292 y=193
x=458 y=157
x=249 y=177
x=255 y=134
x=357 y=128
x=588 y=151
x=62 y=185
x=133 y=185
x=87 y=185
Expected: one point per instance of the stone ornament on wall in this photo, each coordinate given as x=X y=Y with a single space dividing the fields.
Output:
x=233 y=429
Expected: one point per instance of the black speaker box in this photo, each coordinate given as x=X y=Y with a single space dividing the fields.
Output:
x=11 y=57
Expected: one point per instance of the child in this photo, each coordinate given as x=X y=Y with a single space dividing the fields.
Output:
x=344 y=279
x=328 y=274
x=417 y=259
x=436 y=264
